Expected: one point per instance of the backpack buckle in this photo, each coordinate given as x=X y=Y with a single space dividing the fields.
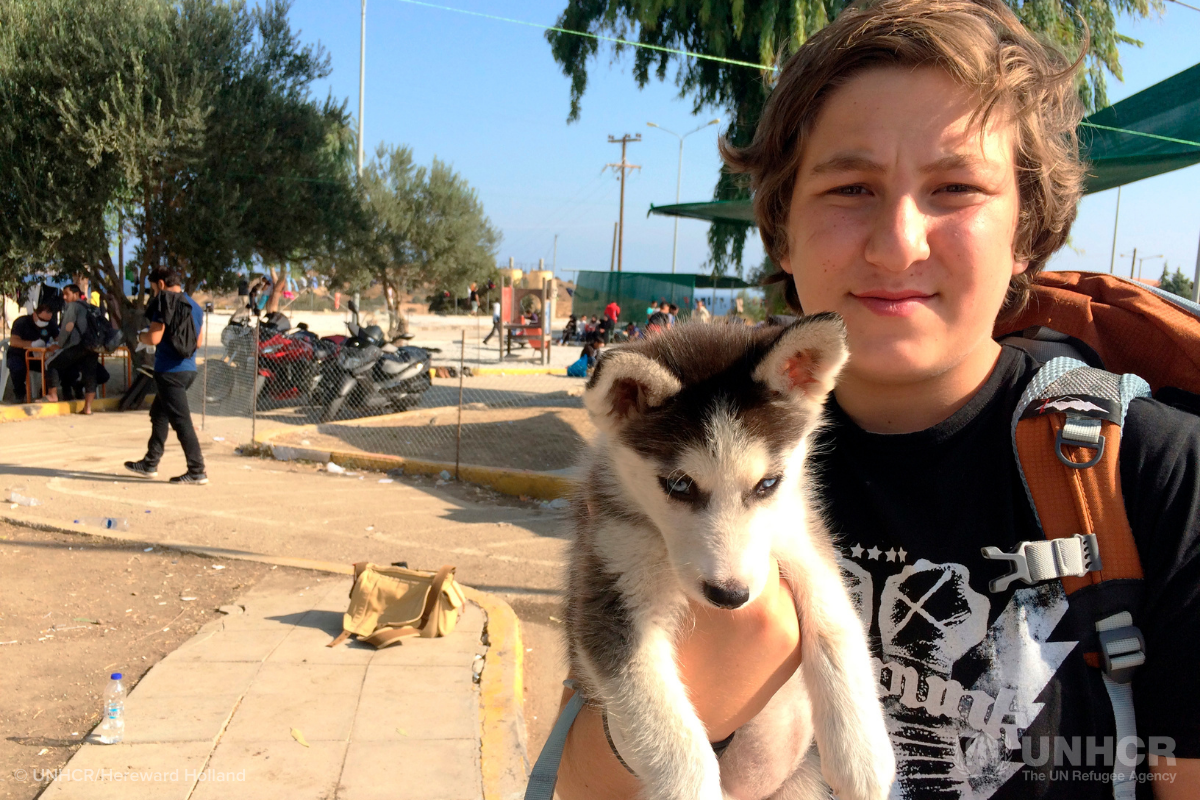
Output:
x=1034 y=562
x=1080 y=432
x=1122 y=646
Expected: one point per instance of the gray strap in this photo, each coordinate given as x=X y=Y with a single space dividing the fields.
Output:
x=1085 y=430
x=1034 y=562
x=1124 y=771
x=544 y=776
x=1122 y=650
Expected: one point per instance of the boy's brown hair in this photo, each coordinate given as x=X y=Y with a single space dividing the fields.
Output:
x=983 y=46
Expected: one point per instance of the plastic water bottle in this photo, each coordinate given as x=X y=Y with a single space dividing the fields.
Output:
x=108 y=523
x=17 y=497
x=112 y=729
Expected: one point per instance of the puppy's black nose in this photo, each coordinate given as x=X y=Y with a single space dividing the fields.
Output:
x=730 y=594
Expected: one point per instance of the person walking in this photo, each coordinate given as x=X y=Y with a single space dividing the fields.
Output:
x=495 y=323
x=71 y=355
x=702 y=313
x=169 y=313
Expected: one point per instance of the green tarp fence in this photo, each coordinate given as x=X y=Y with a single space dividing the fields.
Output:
x=1146 y=134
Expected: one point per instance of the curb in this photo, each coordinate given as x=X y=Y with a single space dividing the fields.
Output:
x=27 y=411
x=504 y=760
x=515 y=482
x=518 y=370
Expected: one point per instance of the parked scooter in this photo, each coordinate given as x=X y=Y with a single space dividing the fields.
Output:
x=367 y=375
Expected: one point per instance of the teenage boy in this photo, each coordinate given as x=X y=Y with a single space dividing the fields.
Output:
x=174 y=373
x=31 y=330
x=915 y=167
x=71 y=355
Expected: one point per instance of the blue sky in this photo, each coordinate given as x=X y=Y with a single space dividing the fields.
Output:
x=487 y=97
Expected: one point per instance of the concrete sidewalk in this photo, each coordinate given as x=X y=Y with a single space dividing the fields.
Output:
x=256 y=706
x=298 y=515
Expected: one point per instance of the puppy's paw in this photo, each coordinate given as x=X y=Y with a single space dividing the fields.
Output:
x=866 y=772
x=700 y=784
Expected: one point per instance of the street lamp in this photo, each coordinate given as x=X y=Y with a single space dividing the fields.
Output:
x=362 y=74
x=1140 y=260
x=679 y=176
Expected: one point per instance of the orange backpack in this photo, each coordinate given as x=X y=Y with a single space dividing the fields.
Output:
x=1103 y=341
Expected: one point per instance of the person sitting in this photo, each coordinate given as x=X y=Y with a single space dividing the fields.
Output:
x=570 y=330
x=73 y=386
x=591 y=350
x=632 y=331
x=70 y=352
x=32 y=330
x=605 y=329
x=659 y=321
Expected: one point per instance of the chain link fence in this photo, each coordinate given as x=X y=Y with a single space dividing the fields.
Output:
x=457 y=392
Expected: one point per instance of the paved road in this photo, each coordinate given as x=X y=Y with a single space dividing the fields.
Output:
x=501 y=545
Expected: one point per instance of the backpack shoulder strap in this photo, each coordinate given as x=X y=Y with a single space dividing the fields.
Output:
x=1066 y=433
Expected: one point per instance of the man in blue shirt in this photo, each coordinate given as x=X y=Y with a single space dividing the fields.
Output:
x=174 y=372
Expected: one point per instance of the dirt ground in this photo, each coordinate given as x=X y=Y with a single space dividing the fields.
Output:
x=75 y=608
x=532 y=437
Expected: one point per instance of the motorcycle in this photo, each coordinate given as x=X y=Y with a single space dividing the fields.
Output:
x=368 y=375
x=288 y=361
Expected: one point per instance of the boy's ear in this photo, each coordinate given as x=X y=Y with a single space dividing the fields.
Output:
x=806 y=359
x=624 y=385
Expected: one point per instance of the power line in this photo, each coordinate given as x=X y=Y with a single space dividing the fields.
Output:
x=596 y=36
x=1185 y=5
x=1172 y=139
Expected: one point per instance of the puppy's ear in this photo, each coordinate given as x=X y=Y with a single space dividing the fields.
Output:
x=624 y=385
x=804 y=362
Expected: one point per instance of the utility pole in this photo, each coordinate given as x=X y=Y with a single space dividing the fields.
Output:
x=1132 y=262
x=362 y=76
x=613 y=263
x=623 y=167
x=1112 y=259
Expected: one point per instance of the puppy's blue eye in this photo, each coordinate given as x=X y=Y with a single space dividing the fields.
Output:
x=766 y=486
x=678 y=487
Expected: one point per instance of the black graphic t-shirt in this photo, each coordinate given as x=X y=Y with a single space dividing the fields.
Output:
x=979 y=686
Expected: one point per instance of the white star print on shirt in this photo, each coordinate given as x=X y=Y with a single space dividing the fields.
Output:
x=856 y=551
x=874 y=553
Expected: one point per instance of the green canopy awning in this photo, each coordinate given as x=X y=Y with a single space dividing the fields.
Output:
x=721 y=282
x=1168 y=111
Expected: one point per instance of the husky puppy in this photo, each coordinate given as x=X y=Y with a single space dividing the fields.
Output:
x=696 y=477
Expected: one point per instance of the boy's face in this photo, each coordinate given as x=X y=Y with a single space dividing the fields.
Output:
x=902 y=221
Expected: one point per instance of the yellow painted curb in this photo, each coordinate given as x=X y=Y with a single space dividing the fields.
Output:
x=518 y=370
x=515 y=482
x=503 y=758
x=26 y=411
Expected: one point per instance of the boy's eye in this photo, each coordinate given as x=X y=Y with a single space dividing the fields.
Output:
x=766 y=486
x=849 y=191
x=680 y=486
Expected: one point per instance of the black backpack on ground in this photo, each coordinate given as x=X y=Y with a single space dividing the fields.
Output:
x=180 y=328
x=97 y=333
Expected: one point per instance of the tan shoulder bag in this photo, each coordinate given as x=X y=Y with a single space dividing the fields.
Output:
x=388 y=603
